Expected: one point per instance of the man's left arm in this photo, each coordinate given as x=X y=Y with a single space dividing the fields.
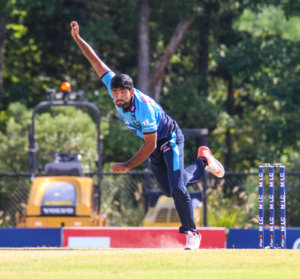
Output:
x=144 y=152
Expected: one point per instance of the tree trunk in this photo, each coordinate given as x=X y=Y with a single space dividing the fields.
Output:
x=204 y=27
x=158 y=73
x=204 y=41
x=157 y=90
x=2 y=38
x=230 y=110
x=143 y=52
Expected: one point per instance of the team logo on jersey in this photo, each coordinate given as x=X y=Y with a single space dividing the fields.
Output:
x=165 y=147
x=147 y=123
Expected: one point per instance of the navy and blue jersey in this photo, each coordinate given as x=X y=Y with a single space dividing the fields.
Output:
x=144 y=116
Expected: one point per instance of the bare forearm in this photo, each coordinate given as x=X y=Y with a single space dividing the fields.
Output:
x=87 y=51
x=143 y=153
x=150 y=142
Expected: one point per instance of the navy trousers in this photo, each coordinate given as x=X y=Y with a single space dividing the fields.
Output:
x=167 y=162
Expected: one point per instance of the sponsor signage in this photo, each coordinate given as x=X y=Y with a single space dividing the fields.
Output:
x=249 y=238
x=11 y=237
x=138 y=237
x=57 y=210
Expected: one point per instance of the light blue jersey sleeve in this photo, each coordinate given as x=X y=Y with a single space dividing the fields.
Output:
x=148 y=116
x=106 y=79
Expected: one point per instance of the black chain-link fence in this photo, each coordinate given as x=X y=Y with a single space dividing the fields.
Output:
x=231 y=201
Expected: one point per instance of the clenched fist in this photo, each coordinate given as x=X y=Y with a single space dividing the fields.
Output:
x=75 y=29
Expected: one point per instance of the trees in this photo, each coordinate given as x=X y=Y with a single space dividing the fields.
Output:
x=151 y=82
x=236 y=90
x=4 y=10
x=220 y=72
x=66 y=130
x=259 y=73
x=233 y=68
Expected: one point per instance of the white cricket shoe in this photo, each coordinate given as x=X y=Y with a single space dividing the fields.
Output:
x=213 y=165
x=192 y=241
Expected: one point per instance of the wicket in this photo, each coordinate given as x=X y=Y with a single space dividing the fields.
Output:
x=272 y=205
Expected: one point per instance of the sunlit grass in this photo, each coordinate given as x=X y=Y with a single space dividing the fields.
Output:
x=148 y=263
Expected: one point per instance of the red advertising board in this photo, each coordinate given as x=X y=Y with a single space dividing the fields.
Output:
x=138 y=237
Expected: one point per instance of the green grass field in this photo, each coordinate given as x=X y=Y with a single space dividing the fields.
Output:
x=148 y=263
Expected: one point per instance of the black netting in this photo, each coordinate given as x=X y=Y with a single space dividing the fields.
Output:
x=231 y=201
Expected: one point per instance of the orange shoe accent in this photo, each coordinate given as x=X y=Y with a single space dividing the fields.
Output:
x=205 y=152
x=213 y=165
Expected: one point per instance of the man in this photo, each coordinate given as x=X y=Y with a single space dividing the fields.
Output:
x=163 y=141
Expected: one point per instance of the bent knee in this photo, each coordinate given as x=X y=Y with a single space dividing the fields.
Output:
x=180 y=192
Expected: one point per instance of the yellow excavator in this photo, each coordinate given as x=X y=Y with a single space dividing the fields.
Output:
x=62 y=196
x=162 y=211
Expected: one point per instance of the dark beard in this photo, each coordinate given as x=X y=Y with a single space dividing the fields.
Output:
x=124 y=105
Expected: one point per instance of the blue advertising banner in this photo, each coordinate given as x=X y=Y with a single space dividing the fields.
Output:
x=249 y=238
x=11 y=237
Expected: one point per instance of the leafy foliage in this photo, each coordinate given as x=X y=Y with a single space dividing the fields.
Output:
x=235 y=210
x=248 y=94
x=61 y=130
x=14 y=139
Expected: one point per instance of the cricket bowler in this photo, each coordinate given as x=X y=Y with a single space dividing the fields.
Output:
x=163 y=141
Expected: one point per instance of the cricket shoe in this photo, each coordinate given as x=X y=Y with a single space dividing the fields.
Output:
x=192 y=241
x=213 y=165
